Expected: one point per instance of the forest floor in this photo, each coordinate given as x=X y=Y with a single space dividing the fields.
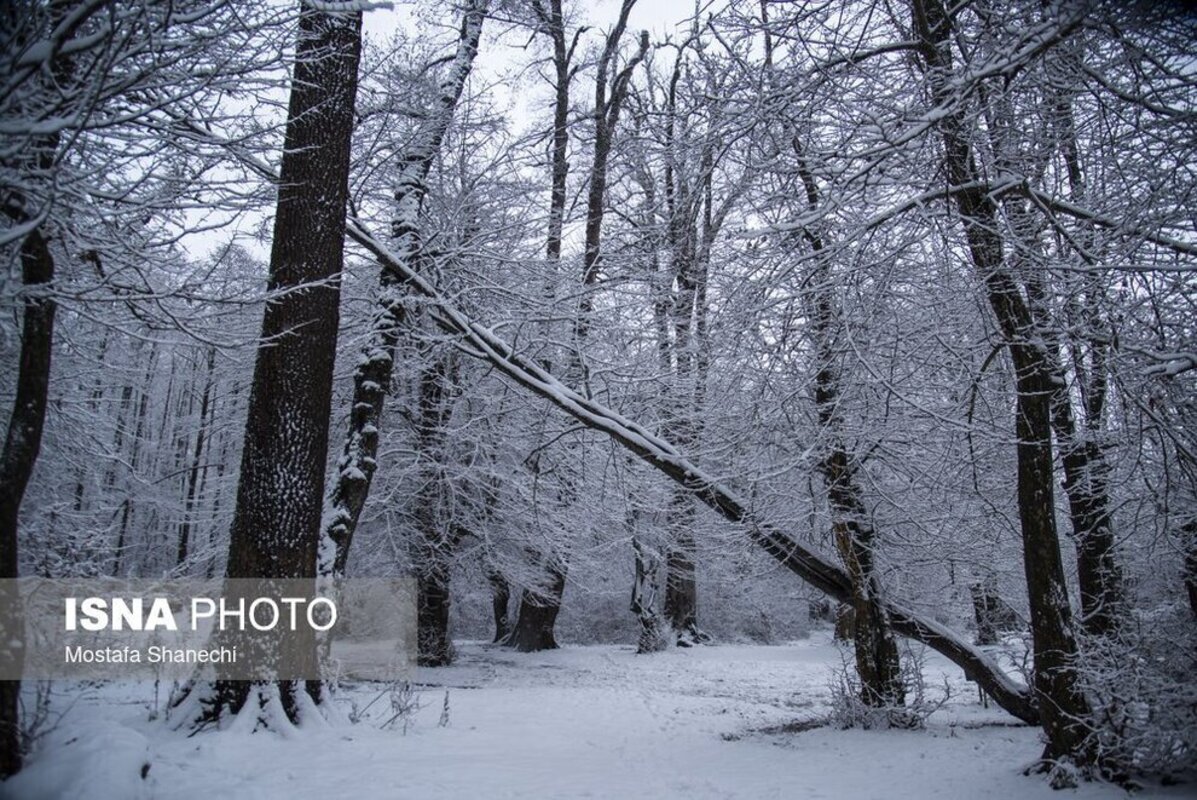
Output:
x=723 y=721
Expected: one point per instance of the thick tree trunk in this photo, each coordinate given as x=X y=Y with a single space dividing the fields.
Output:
x=1086 y=483
x=372 y=376
x=681 y=583
x=21 y=446
x=276 y=524
x=539 y=608
x=654 y=630
x=434 y=646
x=669 y=461
x=1063 y=706
x=877 y=661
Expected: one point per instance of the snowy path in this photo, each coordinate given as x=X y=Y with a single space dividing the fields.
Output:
x=578 y=722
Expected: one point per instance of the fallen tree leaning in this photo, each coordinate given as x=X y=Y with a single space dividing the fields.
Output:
x=824 y=575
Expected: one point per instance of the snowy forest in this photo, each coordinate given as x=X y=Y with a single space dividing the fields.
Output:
x=733 y=379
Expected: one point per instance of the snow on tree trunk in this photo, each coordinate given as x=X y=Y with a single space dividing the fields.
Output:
x=276 y=523
x=372 y=375
x=433 y=544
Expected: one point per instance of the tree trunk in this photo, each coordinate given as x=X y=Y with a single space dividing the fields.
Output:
x=539 y=608
x=527 y=633
x=681 y=583
x=877 y=661
x=143 y=404
x=372 y=376
x=434 y=647
x=1086 y=469
x=654 y=630
x=433 y=545
x=1188 y=538
x=21 y=446
x=276 y=523
x=27 y=419
x=500 y=601
x=1063 y=706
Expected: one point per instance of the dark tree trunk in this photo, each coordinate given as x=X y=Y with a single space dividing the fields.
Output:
x=21 y=446
x=276 y=523
x=993 y=615
x=1086 y=483
x=554 y=22
x=538 y=614
x=434 y=647
x=681 y=584
x=845 y=623
x=433 y=545
x=1188 y=533
x=877 y=661
x=1086 y=468
x=143 y=405
x=1063 y=707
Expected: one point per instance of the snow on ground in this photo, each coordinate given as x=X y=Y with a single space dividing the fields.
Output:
x=597 y=721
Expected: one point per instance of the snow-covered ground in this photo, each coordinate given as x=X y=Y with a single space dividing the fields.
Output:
x=599 y=721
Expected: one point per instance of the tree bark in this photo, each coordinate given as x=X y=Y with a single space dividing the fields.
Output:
x=21 y=446
x=276 y=523
x=539 y=608
x=26 y=421
x=877 y=661
x=1086 y=469
x=1188 y=534
x=1063 y=706
x=654 y=630
x=433 y=544
x=500 y=594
